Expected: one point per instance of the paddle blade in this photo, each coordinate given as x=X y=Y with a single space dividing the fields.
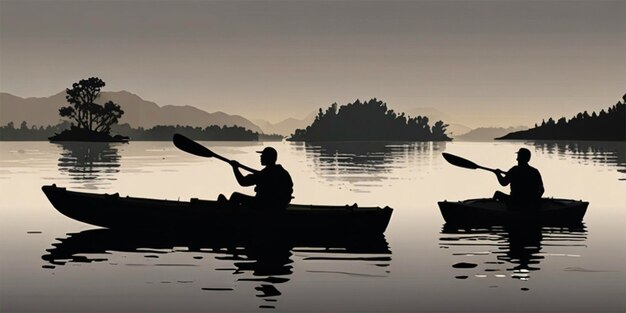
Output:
x=459 y=161
x=183 y=143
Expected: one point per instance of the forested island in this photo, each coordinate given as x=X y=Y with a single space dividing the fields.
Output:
x=607 y=125
x=369 y=121
x=158 y=133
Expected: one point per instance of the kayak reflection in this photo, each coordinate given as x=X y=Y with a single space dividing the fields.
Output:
x=518 y=250
x=265 y=260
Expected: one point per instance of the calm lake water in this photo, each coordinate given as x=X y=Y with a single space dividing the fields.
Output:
x=50 y=263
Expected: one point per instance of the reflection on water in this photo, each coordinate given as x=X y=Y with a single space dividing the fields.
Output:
x=91 y=164
x=365 y=161
x=605 y=153
x=103 y=270
x=518 y=250
x=265 y=261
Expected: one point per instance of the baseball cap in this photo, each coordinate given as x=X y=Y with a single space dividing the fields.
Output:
x=268 y=151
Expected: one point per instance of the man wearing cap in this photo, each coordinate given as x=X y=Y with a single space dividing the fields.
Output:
x=525 y=180
x=274 y=186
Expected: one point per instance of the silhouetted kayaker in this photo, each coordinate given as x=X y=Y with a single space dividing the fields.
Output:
x=274 y=186
x=525 y=180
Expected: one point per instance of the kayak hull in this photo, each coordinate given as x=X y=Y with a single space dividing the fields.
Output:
x=114 y=211
x=493 y=212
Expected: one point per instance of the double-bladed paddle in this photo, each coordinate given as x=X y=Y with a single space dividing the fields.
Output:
x=188 y=145
x=465 y=163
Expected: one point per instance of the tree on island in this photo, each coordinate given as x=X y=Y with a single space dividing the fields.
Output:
x=370 y=120
x=90 y=121
x=605 y=126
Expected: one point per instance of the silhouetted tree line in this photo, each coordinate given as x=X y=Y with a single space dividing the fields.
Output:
x=607 y=125
x=33 y=133
x=271 y=137
x=370 y=120
x=210 y=133
x=157 y=133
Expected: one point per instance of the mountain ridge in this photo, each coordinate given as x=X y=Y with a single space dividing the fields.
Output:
x=138 y=112
x=488 y=133
x=287 y=126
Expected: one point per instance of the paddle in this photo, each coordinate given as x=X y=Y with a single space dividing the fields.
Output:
x=183 y=143
x=465 y=163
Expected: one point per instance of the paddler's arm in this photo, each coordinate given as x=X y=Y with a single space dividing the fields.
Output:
x=540 y=190
x=244 y=181
x=503 y=180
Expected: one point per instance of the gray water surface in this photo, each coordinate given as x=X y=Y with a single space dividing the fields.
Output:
x=50 y=263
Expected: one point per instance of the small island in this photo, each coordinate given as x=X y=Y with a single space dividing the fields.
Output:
x=89 y=121
x=369 y=121
x=604 y=126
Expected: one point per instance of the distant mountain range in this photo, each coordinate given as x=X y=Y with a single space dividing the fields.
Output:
x=456 y=130
x=137 y=112
x=488 y=133
x=286 y=127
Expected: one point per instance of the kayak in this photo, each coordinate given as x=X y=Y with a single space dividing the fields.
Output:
x=549 y=211
x=115 y=211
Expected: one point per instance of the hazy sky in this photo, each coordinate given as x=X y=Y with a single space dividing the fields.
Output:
x=499 y=63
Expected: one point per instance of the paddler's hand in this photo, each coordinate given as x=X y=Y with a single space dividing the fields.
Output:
x=234 y=164
x=503 y=180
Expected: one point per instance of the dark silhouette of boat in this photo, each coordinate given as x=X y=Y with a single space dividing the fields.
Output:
x=114 y=211
x=549 y=211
